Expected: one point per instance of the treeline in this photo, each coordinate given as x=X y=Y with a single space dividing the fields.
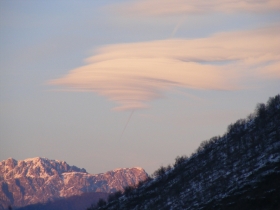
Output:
x=220 y=165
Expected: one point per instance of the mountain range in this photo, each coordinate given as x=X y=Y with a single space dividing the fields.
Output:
x=238 y=170
x=40 y=180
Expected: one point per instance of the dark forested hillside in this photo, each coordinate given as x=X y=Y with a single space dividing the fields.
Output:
x=239 y=170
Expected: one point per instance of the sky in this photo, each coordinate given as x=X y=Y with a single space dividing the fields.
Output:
x=118 y=84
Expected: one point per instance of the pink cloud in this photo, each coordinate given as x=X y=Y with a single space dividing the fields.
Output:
x=135 y=73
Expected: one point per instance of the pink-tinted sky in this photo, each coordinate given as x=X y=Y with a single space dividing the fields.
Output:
x=73 y=74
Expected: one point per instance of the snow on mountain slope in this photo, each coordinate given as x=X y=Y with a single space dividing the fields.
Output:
x=38 y=179
x=239 y=170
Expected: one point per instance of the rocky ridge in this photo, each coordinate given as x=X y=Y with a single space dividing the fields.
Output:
x=39 y=179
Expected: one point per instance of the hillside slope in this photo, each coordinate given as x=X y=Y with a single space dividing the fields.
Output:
x=240 y=170
x=39 y=180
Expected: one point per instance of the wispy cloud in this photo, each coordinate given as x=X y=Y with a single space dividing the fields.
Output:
x=175 y=7
x=135 y=73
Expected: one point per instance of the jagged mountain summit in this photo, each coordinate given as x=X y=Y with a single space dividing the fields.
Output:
x=41 y=180
x=239 y=170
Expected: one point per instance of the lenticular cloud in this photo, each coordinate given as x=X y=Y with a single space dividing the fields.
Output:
x=135 y=73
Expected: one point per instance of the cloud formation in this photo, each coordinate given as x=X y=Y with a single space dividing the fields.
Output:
x=186 y=7
x=135 y=73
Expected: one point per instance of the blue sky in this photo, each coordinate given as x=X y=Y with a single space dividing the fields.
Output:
x=73 y=72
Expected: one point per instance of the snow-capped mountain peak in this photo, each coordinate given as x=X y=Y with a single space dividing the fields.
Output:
x=39 y=179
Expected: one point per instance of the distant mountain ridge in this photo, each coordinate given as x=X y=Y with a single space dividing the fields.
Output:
x=41 y=180
x=76 y=202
